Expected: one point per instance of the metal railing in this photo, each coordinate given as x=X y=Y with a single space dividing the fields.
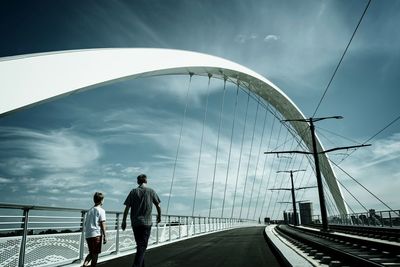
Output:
x=387 y=218
x=51 y=236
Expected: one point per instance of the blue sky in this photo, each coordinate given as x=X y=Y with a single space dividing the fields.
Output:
x=60 y=152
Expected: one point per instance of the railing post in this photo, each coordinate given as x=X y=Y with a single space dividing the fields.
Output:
x=390 y=219
x=169 y=228
x=194 y=225
x=187 y=226
x=157 y=233
x=21 y=261
x=179 y=225
x=199 y=224
x=82 y=243
x=117 y=235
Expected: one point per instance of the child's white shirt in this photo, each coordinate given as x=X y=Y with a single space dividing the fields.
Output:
x=93 y=218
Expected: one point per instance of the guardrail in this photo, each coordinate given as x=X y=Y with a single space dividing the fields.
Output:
x=52 y=236
x=388 y=218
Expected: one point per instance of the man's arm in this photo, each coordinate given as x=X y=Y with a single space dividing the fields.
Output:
x=103 y=228
x=158 y=207
x=123 y=225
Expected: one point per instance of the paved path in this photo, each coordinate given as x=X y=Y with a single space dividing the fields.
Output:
x=243 y=247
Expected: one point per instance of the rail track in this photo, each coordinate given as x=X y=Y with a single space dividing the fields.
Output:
x=337 y=250
x=383 y=233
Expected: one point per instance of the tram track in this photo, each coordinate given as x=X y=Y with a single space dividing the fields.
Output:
x=376 y=232
x=339 y=250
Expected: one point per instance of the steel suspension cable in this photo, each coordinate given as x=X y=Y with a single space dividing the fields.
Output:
x=230 y=150
x=216 y=151
x=249 y=161
x=270 y=171
x=263 y=174
x=289 y=166
x=341 y=59
x=348 y=191
x=372 y=137
x=263 y=168
x=307 y=183
x=276 y=178
x=329 y=201
x=292 y=162
x=201 y=144
x=355 y=180
x=240 y=154
x=179 y=143
x=297 y=175
x=258 y=160
x=337 y=190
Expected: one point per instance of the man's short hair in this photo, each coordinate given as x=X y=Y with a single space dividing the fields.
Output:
x=142 y=178
x=98 y=197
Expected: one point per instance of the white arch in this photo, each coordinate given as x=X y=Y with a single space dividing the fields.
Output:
x=31 y=79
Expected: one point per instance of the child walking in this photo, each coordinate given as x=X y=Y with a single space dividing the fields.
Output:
x=95 y=229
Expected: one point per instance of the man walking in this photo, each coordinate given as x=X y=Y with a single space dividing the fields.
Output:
x=140 y=202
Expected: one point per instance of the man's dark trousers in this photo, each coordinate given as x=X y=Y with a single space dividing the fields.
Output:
x=142 y=234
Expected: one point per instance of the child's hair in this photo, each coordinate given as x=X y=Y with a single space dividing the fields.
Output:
x=98 y=197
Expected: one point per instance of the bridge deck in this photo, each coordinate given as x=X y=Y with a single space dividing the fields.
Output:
x=237 y=247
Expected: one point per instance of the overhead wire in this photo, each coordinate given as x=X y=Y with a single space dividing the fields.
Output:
x=369 y=191
x=341 y=59
x=373 y=136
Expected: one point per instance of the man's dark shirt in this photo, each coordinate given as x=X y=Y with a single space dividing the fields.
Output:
x=141 y=200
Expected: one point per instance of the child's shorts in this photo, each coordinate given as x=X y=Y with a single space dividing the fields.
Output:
x=94 y=244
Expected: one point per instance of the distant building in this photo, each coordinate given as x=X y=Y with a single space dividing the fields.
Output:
x=306 y=212
x=285 y=217
x=288 y=217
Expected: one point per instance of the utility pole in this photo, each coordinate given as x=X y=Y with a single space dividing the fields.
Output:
x=293 y=192
x=315 y=154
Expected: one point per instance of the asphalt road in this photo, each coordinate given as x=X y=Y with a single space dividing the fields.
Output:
x=244 y=247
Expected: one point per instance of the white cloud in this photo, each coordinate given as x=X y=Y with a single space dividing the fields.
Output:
x=383 y=151
x=5 y=180
x=244 y=38
x=374 y=167
x=57 y=150
x=270 y=38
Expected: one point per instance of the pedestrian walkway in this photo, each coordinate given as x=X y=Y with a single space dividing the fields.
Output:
x=233 y=248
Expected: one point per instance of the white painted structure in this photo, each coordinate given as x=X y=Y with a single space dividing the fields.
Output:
x=31 y=79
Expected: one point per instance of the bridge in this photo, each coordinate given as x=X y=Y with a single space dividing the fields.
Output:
x=251 y=116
